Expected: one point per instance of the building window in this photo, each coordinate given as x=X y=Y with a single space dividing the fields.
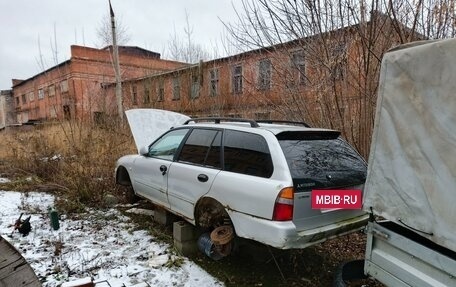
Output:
x=338 y=61
x=195 y=87
x=146 y=96
x=237 y=79
x=161 y=90
x=176 y=88
x=17 y=101
x=24 y=99
x=31 y=96
x=134 y=95
x=214 y=82
x=299 y=65
x=40 y=94
x=264 y=74
x=51 y=91
x=64 y=86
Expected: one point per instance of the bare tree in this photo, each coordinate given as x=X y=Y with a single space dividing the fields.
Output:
x=326 y=55
x=104 y=32
x=183 y=48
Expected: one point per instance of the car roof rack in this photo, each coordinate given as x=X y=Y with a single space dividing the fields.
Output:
x=217 y=120
x=283 y=122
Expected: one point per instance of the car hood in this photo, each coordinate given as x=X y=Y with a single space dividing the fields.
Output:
x=148 y=124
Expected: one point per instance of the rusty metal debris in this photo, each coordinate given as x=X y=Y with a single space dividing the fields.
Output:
x=222 y=237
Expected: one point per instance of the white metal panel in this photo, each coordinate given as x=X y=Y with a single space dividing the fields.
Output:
x=397 y=260
x=412 y=164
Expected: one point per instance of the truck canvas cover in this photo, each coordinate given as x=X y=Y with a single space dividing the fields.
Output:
x=411 y=176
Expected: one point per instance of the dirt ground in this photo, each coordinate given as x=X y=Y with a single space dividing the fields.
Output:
x=258 y=265
x=254 y=264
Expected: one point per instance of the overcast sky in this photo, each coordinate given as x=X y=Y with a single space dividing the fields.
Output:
x=150 y=24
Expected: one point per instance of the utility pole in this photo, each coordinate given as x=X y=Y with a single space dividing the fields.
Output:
x=116 y=65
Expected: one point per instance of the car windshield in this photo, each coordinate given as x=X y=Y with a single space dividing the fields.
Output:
x=323 y=163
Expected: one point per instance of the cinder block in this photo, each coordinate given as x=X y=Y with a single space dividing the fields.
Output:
x=186 y=248
x=163 y=217
x=183 y=231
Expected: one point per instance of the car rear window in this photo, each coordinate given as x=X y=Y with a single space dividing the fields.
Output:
x=247 y=153
x=322 y=161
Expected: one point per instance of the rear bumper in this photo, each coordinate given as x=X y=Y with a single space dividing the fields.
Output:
x=283 y=235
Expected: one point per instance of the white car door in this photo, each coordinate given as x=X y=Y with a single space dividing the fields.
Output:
x=150 y=171
x=192 y=174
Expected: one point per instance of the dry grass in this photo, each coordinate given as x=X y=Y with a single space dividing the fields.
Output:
x=73 y=159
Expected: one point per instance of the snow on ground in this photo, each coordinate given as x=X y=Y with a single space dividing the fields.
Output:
x=102 y=244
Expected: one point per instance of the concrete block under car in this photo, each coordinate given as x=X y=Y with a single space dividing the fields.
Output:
x=183 y=231
x=186 y=248
x=163 y=217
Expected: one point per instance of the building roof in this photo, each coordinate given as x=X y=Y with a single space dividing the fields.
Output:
x=134 y=51
x=124 y=50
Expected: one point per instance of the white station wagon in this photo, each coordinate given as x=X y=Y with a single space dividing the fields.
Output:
x=256 y=176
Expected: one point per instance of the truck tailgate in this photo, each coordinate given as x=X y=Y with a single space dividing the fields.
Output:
x=398 y=257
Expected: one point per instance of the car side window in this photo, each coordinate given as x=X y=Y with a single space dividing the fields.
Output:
x=202 y=147
x=247 y=153
x=166 y=146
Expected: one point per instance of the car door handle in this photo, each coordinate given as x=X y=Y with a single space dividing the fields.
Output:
x=203 y=177
x=163 y=169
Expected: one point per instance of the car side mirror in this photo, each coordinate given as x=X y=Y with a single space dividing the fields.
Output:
x=144 y=151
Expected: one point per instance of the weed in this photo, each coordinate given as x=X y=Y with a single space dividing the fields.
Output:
x=73 y=159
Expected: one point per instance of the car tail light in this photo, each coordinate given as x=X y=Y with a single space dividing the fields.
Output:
x=283 y=207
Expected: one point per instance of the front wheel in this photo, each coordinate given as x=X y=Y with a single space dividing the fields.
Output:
x=129 y=194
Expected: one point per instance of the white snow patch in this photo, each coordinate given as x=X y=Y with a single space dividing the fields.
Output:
x=104 y=245
x=78 y=282
x=140 y=211
x=4 y=180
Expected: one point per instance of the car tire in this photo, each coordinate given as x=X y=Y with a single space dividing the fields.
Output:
x=129 y=194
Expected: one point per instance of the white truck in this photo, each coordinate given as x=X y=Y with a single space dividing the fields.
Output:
x=411 y=181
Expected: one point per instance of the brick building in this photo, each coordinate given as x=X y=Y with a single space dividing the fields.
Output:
x=74 y=88
x=328 y=80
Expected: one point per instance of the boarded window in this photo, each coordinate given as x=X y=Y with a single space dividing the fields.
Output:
x=31 y=96
x=51 y=90
x=64 y=86
x=134 y=97
x=299 y=66
x=195 y=87
x=338 y=61
x=146 y=96
x=161 y=91
x=237 y=79
x=40 y=94
x=264 y=74
x=176 y=88
x=214 y=82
